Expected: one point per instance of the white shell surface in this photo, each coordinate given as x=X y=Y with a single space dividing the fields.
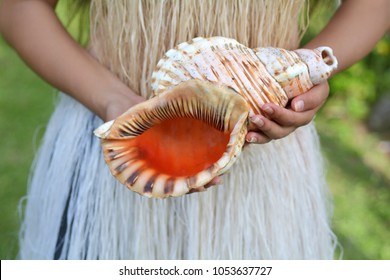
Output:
x=287 y=68
x=320 y=61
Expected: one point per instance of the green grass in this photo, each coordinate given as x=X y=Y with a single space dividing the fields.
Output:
x=25 y=106
x=359 y=178
x=358 y=171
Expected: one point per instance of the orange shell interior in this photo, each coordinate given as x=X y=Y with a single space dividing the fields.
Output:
x=180 y=146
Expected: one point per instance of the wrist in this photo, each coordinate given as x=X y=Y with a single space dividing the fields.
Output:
x=116 y=99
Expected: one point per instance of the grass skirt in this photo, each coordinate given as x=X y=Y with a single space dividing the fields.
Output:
x=273 y=203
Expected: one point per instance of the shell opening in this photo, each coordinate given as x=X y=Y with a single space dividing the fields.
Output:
x=179 y=146
x=177 y=142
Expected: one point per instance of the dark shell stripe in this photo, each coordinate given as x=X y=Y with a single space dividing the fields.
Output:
x=121 y=167
x=178 y=108
x=123 y=161
x=134 y=176
x=169 y=185
x=149 y=184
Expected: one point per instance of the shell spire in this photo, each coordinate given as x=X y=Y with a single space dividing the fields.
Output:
x=320 y=61
x=298 y=71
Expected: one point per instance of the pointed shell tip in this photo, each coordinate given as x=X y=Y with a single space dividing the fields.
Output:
x=103 y=130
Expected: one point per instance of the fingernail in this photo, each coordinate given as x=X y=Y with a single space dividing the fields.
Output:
x=299 y=105
x=220 y=182
x=214 y=182
x=213 y=185
x=257 y=121
x=268 y=109
x=251 y=140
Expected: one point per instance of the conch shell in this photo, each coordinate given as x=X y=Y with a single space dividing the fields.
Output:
x=194 y=128
x=260 y=75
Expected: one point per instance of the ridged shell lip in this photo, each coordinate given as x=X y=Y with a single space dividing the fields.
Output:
x=217 y=107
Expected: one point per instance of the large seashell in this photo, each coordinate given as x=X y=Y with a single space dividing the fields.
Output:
x=194 y=128
x=260 y=75
x=177 y=142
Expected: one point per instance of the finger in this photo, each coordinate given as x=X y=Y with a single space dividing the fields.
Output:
x=257 y=138
x=274 y=130
x=255 y=123
x=215 y=181
x=282 y=116
x=311 y=99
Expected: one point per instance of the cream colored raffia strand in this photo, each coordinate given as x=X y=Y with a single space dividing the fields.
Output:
x=131 y=36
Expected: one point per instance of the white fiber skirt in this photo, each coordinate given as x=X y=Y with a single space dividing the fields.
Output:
x=274 y=203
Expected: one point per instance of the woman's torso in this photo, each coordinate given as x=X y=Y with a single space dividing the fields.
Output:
x=129 y=37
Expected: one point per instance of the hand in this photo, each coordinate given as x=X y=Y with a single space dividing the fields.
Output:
x=279 y=122
x=120 y=104
x=215 y=181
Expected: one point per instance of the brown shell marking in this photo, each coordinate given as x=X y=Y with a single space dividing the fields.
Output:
x=287 y=68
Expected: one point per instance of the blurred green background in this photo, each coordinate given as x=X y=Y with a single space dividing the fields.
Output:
x=354 y=127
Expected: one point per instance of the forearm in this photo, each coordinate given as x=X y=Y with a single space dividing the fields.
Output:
x=354 y=30
x=33 y=29
x=352 y=33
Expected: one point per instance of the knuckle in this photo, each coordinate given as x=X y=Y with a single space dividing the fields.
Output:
x=308 y=120
x=285 y=132
x=252 y=127
x=289 y=119
x=263 y=140
x=266 y=128
x=290 y=122
x=280 y=135
x=280 y=113
x=327 y=92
